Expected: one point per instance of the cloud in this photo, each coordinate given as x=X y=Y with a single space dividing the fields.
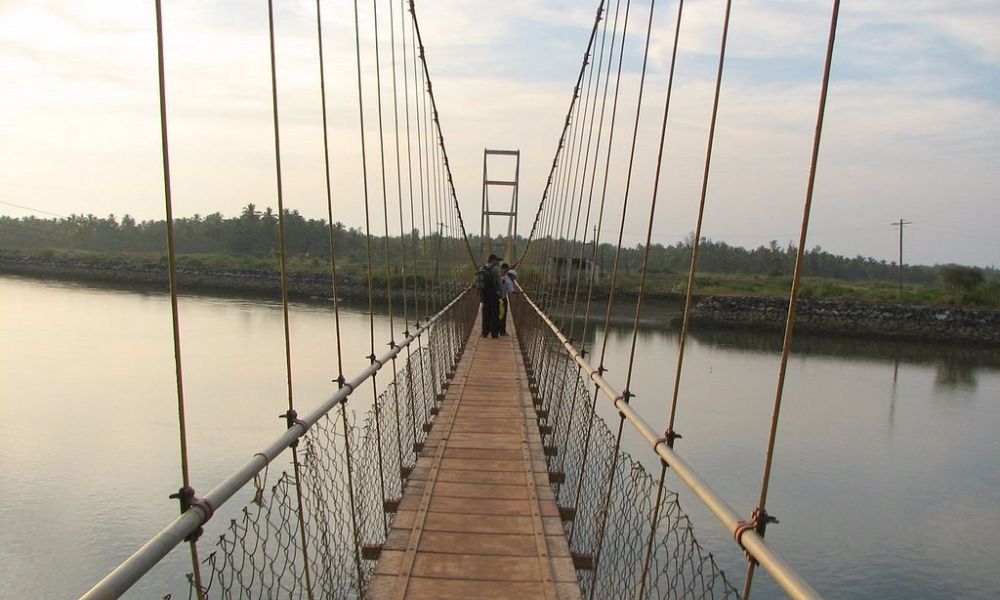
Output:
x=911 y=128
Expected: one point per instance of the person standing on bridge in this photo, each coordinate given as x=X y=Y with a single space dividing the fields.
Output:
x=490 y=291
x=507 y=286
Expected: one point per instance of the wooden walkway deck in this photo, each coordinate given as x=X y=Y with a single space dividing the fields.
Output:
x=478 y=518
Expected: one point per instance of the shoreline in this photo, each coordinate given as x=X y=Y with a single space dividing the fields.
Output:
x=857 y=319
x=831 y=317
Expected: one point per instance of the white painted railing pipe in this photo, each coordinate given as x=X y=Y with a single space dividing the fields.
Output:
x=152 y=552
x=756 y=546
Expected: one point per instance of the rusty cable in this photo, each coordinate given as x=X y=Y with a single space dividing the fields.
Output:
x=172 y=274
x=796 y=278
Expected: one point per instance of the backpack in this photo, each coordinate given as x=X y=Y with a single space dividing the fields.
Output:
x=484 y=281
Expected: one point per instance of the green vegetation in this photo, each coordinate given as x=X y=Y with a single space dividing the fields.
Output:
x=250 y=242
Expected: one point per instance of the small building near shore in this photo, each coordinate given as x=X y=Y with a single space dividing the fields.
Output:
x=568 y=268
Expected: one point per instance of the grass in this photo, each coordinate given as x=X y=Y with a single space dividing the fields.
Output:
x=986 y=294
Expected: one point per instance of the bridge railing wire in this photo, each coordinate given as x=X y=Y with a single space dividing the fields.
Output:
x=589 y=463
x=315 y=529
x=258 y=554
x=557 y=274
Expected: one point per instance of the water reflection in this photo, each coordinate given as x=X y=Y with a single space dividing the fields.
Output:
x=953 y=373
x=957 y=365
x=854 y=464
x=855 y=469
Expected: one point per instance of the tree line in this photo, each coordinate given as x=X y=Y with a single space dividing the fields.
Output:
x=255 y=233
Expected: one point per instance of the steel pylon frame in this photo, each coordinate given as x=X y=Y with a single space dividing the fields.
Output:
x=486 y=238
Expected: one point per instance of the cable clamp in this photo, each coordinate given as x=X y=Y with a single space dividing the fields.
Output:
x=670 y=436
x=758 y=522
x=292 y=418
x=187 y=499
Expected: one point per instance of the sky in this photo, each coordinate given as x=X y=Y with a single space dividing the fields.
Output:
x=912 y=129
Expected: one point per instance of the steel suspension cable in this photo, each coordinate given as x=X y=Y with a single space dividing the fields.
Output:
x=561 y=198
x=621 y=232
x=582 y=158
x=437 y=123
x=426 y=219
x=656 y=181
x=593 y=178
x=562 y=136
x=696 y=245
x=420 y=119
x=186 y=493
x=385 y=242
x=553 y=388
x=607 y=170
x=626 y=393
x=571 y=240
x=568 y=373
x=336 y=301
x=670 y=435
x=402 y=237
x=597 y=237
x=368 y=254
x=760 y=518
x=291 y=416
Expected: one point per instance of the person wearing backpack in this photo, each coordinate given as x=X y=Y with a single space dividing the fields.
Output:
x=490 y=290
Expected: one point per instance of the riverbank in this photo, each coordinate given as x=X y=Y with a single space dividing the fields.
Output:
x=882 y=320
x=152 y=274
x=836 y=317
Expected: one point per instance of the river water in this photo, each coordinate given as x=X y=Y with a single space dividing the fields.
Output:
x=886 y=479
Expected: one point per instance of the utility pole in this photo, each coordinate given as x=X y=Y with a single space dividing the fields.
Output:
x=901 y=224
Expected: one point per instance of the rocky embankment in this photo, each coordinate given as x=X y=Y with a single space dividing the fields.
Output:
x=153 y=275
x=853 y=318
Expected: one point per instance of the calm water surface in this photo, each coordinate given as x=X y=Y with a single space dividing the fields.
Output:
x=886 y=479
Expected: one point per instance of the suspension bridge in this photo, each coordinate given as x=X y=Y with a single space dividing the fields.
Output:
x=456 y=484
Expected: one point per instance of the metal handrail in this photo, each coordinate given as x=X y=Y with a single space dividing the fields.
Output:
x=118 y=581
x=753 y=543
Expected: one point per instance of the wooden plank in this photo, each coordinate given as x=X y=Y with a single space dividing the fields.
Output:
x=478 y=517
x=478 y=543
x=426 y=588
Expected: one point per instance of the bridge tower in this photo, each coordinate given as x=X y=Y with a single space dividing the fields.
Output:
x=511 y=185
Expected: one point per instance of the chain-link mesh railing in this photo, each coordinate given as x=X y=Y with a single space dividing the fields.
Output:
x=352 y=476
x=613 y=495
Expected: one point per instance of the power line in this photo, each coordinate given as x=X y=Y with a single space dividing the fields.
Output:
x=38 y=210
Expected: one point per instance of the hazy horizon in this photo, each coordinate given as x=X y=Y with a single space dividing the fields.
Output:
x=912 y=128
